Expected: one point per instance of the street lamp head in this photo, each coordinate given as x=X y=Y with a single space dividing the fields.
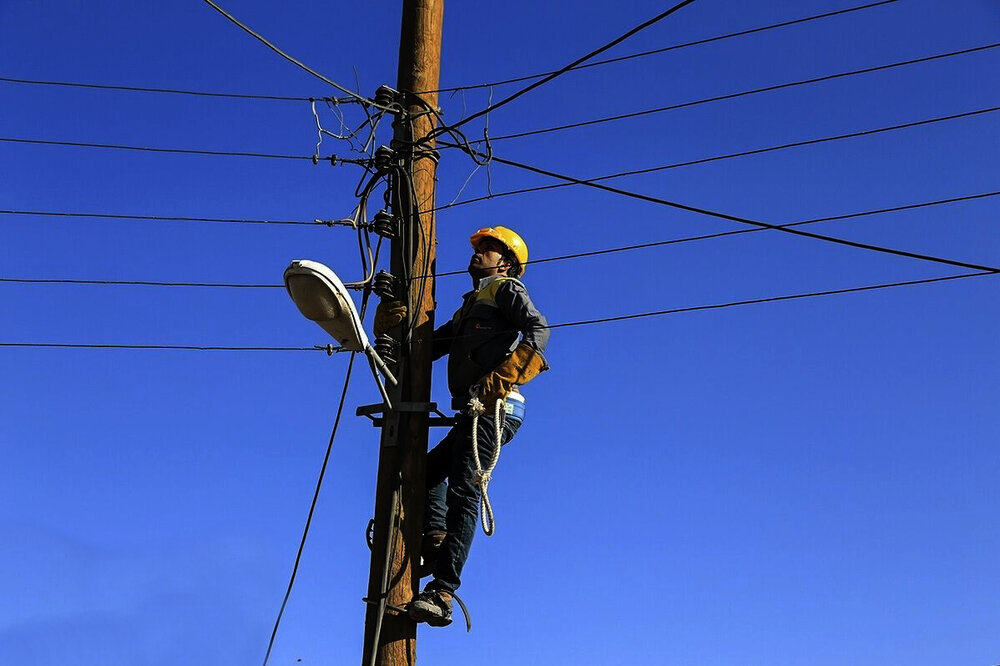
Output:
x=321 y=297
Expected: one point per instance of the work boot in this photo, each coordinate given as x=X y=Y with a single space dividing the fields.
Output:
x=429 y=551
x=432 y=607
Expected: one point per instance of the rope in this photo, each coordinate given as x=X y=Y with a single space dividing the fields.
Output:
x=482 y=476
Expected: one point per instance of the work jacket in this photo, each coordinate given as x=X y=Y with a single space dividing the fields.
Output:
x=494 y=319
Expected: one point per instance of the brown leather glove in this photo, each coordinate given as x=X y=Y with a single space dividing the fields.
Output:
x=387 y=315
x=521 y=367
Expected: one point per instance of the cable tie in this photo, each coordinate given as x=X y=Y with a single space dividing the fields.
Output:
x=315 y=159
x=333 y=160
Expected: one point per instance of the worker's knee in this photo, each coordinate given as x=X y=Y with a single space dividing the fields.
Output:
x=463 y=496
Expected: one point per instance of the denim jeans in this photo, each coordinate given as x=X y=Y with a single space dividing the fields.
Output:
x=453 y=498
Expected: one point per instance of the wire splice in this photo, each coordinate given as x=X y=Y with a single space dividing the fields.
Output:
x=343 y=222
x=330 y=349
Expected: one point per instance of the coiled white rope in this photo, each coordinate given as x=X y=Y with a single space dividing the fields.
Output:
x=482 y=476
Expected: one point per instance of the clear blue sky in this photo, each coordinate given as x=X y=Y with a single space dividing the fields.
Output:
x=802 y=482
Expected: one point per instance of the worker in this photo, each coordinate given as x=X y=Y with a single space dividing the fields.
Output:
x=494 y=344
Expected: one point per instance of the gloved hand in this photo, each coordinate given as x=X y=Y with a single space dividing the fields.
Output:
x=387 y=315
x=521 y=367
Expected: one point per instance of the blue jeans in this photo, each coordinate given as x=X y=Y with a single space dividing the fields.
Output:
x=452 y=497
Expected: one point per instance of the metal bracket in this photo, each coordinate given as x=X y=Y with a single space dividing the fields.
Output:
x=438 y=418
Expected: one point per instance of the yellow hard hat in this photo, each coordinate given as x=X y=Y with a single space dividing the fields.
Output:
x=511 y=241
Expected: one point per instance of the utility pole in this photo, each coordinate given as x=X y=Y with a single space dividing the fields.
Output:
x=390 y=636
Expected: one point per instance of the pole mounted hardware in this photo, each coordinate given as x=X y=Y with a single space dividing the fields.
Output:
x=387 y=347
x=388 y=98
x=385 y=158
x=386 y=286
x=321 y=297
x=386 y=225
x=376 y=412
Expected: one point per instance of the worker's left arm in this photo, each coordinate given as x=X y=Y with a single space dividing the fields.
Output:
x=526 y=361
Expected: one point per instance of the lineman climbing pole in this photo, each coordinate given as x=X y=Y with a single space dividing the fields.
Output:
x=390 y=636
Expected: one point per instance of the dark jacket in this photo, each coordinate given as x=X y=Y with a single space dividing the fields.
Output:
x=493 y=320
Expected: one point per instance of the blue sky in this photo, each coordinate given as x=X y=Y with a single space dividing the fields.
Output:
x=809 y=481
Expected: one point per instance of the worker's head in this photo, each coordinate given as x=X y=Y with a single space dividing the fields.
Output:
x=497 y=251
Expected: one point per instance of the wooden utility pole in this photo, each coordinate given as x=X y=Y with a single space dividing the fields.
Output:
x=390 y=636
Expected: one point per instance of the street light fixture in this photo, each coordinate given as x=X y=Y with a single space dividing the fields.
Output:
x=321 y=297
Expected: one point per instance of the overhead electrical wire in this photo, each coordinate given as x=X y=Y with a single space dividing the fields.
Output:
x=173 y=91
x=543 y=260
x=736 y=232
x=674 y=47
x=745 y=153
x=496 y=195
x=578 y=61
x=569 y=324
x=743 y=93
x=529 y=77
x=139 y=283
x=68 y=345
x=287 y=57
x=735 y=218
x=715 y=158
x=174 y=218
x=771 y=299
x=333 y=159
x=312 y=509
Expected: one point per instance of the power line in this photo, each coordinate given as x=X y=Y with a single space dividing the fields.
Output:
x=163 y=218
x=772 y=299
x=744 y=93
x=331 y=222
x=549 y=77
x=736 y=232
x=140 y=283
x=312 y=509
x=735 y=218
x=66 y=345
x=746 y=153
x=598 y=63
x=564 y=257
x=287 y=57
x=174 y=91
x=585 y=322
x=333 y=159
